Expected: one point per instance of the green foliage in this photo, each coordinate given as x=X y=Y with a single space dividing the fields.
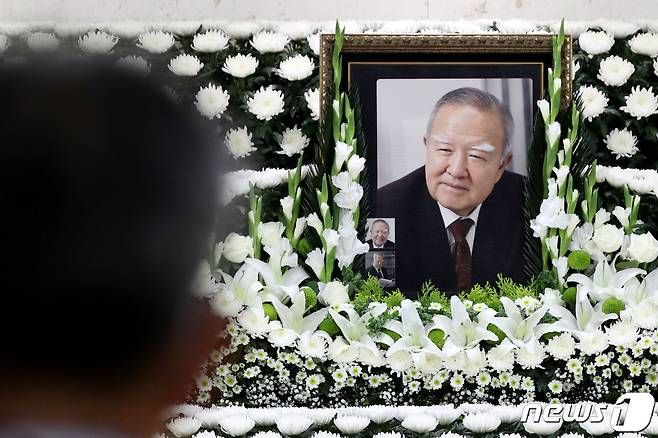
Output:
x=376 y=324
x=429 y=293
x=490 y=295
x=311 y=297
x=545 y=279
x=438 y=337
x=579 y=260
x=369 y=292
x=270 y=311
x=329 y=326
x=394 y=299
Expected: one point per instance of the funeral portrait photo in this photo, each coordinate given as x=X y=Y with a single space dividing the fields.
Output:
x=451 y=162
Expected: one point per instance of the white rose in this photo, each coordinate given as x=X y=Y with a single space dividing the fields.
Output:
x=643 y=248
x=270 y=232
x=237 y=247
x=333 y=292
x=608 y=238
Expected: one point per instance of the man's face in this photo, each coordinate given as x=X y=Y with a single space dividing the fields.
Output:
x=463 y=157
x=379 y=233
x=378 y=261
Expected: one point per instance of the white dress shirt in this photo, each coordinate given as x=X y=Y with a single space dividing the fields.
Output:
x=450 y=216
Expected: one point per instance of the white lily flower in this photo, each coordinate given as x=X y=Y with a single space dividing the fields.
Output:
x=587 y=318
x=414 y=338
x=292 y=322
x=355 y=333
x=272 y=272
x=519 y=330
x=240 y=290
x=607 y=281
x=461 y=331
x=254 y=320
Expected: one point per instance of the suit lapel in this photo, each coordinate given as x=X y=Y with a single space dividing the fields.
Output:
x=436 y=262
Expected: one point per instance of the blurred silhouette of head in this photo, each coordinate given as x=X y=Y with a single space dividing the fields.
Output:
x=109 y=193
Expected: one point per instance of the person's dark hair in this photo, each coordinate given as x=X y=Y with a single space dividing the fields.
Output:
x=109 y=195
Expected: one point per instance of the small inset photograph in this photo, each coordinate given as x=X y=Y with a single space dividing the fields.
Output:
x=381 y=265
x=380 y=233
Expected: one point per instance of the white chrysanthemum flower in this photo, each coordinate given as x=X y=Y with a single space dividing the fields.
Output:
x=241 y=29
x=593 y=342
x=388 y=435
x=351 y=424
x=236 y=425
x=645 y=316
x=594 y=101
x=293 y=142
x=210 y=41
x=97 y=42
x=481 y=423
x=645 y=44
x=184 y=426
x=266 y=103
x=296 y=30
x=325 y=434
x=615 y=71
x=238 y=142
x=185 y=28
x=156 y=41
x=40 y=41
x=618 y=29
x=420 y=423
x=266 y=434
x=595 y=43
x=293 y=424
x=641 y=103
x=561 y=347
x=4 y=43
x=212 y=101
x=622 y=334
x=269 y=42
x=296 y=67
x=621 y=142
x=240 y=66
x=125 y=29
x=313 y=102
x=135 y=63
x=67 y=29
x=185 y=65
x=314 y=43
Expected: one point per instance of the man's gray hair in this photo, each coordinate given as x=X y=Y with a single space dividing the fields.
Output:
x=481 y=100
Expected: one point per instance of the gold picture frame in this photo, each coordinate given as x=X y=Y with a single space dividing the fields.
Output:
x=527 y=46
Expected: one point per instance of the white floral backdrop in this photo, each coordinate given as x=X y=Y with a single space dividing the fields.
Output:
x=308 y=331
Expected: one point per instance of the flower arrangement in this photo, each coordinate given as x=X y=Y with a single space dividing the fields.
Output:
x=307 y=330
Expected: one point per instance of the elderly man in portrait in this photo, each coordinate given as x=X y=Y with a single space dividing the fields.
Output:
x=459 y=218
x=380 y=230
x=378 y=270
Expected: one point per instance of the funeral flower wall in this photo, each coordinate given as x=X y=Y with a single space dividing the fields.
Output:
x=306 y=330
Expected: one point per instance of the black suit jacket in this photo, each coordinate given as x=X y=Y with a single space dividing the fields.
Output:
x=422 y=250
x=372 y=271
x=389 y=244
